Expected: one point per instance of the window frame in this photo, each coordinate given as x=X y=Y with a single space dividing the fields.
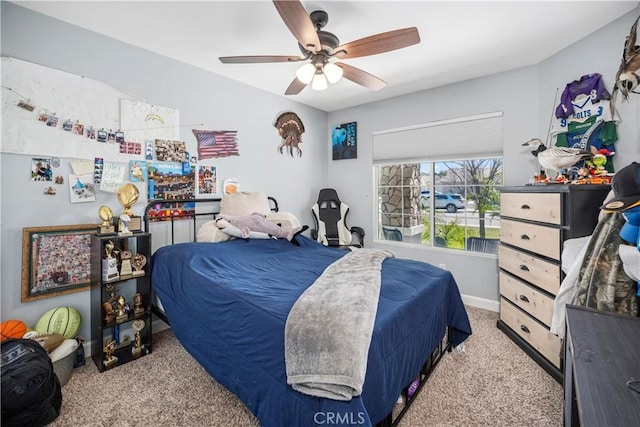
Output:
x=431 y=211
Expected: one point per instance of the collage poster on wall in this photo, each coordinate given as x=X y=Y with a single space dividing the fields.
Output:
x=207 y=180
x=344 y=141
x=168 y=182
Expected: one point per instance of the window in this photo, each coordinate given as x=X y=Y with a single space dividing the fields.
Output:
x=464 y=213
x=438 y=184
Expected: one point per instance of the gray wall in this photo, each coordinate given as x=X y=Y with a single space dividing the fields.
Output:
x=524 y=95
x=201 y=97
x=526 y=98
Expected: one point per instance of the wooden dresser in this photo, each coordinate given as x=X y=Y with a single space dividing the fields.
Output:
x=534 y=223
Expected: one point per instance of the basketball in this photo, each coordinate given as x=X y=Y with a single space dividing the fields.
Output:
x=65 y=321
x=12 y=329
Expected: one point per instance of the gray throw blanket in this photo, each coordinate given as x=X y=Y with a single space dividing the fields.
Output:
x=328 y=331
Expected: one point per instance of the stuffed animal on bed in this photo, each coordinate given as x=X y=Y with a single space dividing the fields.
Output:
x=254 y=226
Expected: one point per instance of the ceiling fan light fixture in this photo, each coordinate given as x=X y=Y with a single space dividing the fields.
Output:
x=306 y=72
x=319 y=82
x=333 y=72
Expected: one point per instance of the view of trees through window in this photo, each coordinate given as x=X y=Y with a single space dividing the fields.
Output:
x=453 y=204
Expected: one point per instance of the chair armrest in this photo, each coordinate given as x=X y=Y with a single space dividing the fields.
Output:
x=314 y=233
x=359 y=232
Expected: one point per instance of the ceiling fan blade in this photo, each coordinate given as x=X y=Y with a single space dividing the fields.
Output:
x=295 y=87
x=361 y=77
x=256 y=59
x=299 y=23
x=378 y=43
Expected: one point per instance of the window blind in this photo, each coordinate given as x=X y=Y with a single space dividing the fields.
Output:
x=460 y=138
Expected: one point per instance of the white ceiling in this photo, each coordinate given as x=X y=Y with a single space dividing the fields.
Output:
x=460 y=40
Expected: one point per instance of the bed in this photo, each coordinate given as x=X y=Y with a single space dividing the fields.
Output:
x=228 y=303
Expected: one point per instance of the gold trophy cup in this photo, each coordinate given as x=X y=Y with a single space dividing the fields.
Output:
x=106 y=215
x=128 y=195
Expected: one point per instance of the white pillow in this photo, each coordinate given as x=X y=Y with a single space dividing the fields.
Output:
x=286 y=220
x=240 y=204
x=209 y=232
x=235 y=204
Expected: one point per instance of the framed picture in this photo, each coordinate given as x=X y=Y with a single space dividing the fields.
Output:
x=344 y=141
x=56 y=260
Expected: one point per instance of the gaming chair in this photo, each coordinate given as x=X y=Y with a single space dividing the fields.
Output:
x=329 y=215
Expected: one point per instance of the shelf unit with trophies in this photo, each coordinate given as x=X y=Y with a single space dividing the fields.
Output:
x=120 y=298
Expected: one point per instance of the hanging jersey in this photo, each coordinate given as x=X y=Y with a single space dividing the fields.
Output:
x=584 y=110
x=591 y=125
x=590 y=133
x=590 y=85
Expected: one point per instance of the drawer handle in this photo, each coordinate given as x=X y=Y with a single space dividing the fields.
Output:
x=524 y=267
x=525 y=329
x=525 y=207
x=525 y=237
x=524 y=298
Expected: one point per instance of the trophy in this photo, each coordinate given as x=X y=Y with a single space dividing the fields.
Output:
x=109 y=264
x=137 y=303
x=138 y=325
x=106 y=215
x=125 y=264
x=128 y=195
x=123 y=225
x=108 y=311
x=138 y=262
x=121 y=313
x=109 y=358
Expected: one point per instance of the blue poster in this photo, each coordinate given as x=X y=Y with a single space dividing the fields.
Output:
x=344 y=141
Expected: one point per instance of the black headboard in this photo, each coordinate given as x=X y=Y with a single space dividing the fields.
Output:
x=170 y=211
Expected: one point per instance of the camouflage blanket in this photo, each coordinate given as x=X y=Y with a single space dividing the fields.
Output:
x=602 y=282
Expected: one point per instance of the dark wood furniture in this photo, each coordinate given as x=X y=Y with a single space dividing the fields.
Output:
x=534 y=223
x=106 y=328
x=601 y=358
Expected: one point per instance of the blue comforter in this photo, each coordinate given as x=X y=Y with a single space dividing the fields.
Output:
x=228 y=303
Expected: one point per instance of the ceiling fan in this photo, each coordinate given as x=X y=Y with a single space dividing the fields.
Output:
x=318 y=47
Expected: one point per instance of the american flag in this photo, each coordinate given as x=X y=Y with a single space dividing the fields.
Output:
x=216 y=143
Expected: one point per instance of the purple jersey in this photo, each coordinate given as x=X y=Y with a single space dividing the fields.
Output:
x=590 y=85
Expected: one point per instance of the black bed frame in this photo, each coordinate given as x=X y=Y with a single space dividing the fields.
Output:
x=205 y=209
x=208 y=208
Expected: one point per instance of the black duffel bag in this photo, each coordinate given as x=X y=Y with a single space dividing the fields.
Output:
x=31 y=392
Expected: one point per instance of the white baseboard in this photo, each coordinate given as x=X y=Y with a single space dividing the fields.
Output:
x=483 y=303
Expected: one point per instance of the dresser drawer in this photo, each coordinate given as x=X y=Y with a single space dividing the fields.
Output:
x=535 y=238
x=534 y=302
x=539 y=337
x=543 y=207
x=541 y=273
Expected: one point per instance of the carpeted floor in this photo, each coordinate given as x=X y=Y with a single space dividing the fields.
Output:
x=491 y=383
